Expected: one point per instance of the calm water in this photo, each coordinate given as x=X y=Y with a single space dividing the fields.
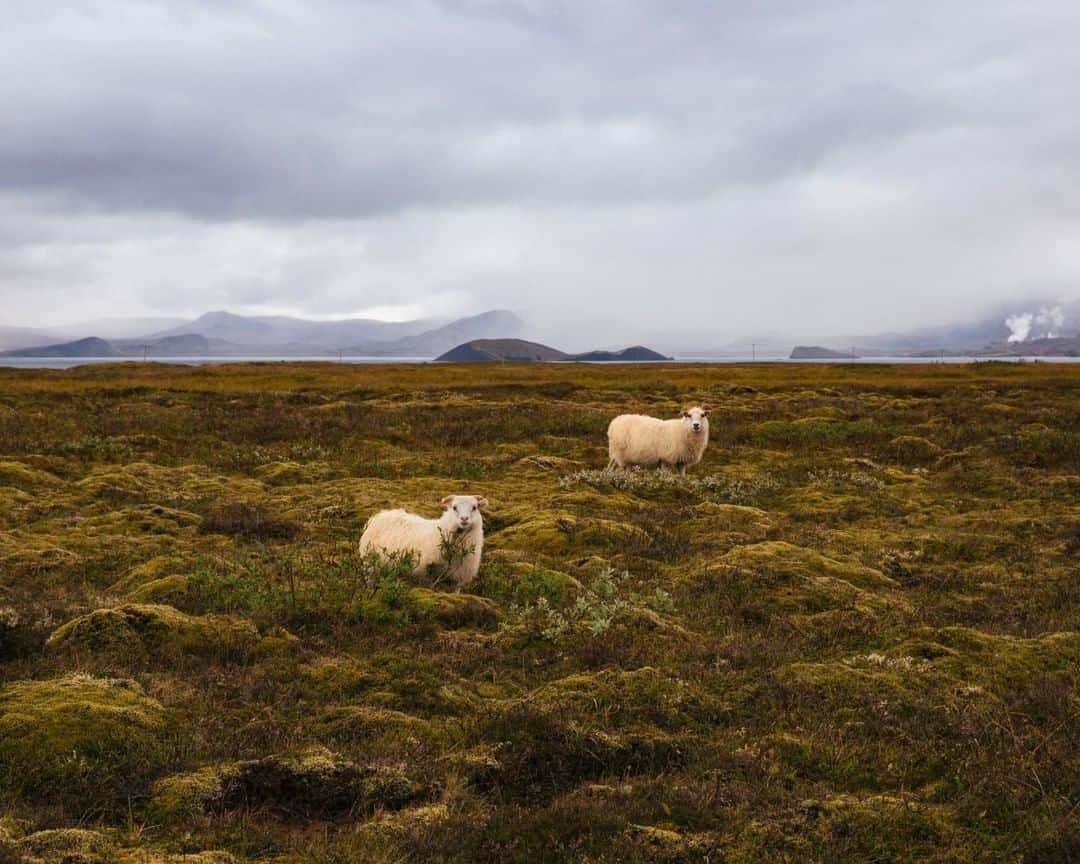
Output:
x=69 y=362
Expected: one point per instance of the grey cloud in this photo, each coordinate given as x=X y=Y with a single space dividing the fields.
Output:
x=356 y=110
x=331 y=155
x=847 y=121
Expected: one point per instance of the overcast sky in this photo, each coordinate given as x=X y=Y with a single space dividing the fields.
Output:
x=834 y=166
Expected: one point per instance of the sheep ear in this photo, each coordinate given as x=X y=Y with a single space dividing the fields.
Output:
x=704 y=412
x=686 y=414
x=446 y=501
x=481 y=503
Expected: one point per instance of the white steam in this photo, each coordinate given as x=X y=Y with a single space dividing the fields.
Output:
x=1019 y=326
x=1044 y=324
x=1050 y=320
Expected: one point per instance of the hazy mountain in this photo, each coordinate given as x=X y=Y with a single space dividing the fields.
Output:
x=497 y=323
x=1061 y=346
x=298 y=335
x=115 y=328
x=184 y=345
x=1011 y=324
x=89 y=347
x=225 y=334
x=1007 y=329
x=13 y=338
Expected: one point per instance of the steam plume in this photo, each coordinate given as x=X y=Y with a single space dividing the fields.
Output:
x=1044 y=324
x=1019 y=326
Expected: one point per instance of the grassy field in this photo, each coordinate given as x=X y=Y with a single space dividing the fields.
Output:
x=851 y=634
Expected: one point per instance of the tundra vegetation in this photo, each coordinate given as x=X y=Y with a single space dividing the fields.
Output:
x=851 y=634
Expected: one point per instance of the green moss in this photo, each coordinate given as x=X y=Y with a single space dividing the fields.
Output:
x=279 y=644
x=883 y=828
x=290 y=473
x=777 y=578
x=23 y=477
x=478 y=766
x=732 y=697
x=914 y=450
x=69 y=844
x=312 y=782
x=519 y=582
x=665 y=846
x=729 y=523
x=140 y=856
x=1003 y=664
x=591 y=725
x=455 y=611
x=407 y=823
x=168 y=588
x=184 y=797
x=153 y=570
x=561 y=533
x=152 y=631
x=50 y=560
x=784 y=561
x=807 y=432
x=77 y=734
x=367 y=723
x=81 y=846
x=897 y=702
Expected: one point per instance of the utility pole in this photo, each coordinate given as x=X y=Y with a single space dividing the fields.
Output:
x=339 y=353
x=753 y=352
x=144 y=350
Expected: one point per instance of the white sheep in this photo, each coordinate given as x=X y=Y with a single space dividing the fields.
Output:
x=398 y=532
x=634 y=439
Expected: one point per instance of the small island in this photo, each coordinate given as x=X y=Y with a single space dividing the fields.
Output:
x=523 y=351
x=816 y=352
x=634 y=354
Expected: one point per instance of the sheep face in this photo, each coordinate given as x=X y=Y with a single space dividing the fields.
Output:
x=463 y=511
x=696 y=419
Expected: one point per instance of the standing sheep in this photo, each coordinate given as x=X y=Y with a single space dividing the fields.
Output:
x=634 y=439
x=445 y=548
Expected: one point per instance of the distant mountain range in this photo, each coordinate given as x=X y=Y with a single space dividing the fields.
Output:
x=1007 y=330
x=1031 y=328
x=223 y=334
x=521 y=351
x=23 y=337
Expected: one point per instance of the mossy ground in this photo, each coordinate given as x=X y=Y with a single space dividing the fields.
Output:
x=850 y=634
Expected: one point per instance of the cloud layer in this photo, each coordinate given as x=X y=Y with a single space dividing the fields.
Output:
x=709 y=166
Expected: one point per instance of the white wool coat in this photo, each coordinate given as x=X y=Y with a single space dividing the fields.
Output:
x=638 y=440
x=398 y=531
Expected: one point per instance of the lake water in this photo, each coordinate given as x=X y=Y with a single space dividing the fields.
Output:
x=69 y=362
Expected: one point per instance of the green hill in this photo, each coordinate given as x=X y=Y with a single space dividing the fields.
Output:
x=501 y=350
x=816 y=352
x=92 y=346
x=521 y=351
x=635 y=354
